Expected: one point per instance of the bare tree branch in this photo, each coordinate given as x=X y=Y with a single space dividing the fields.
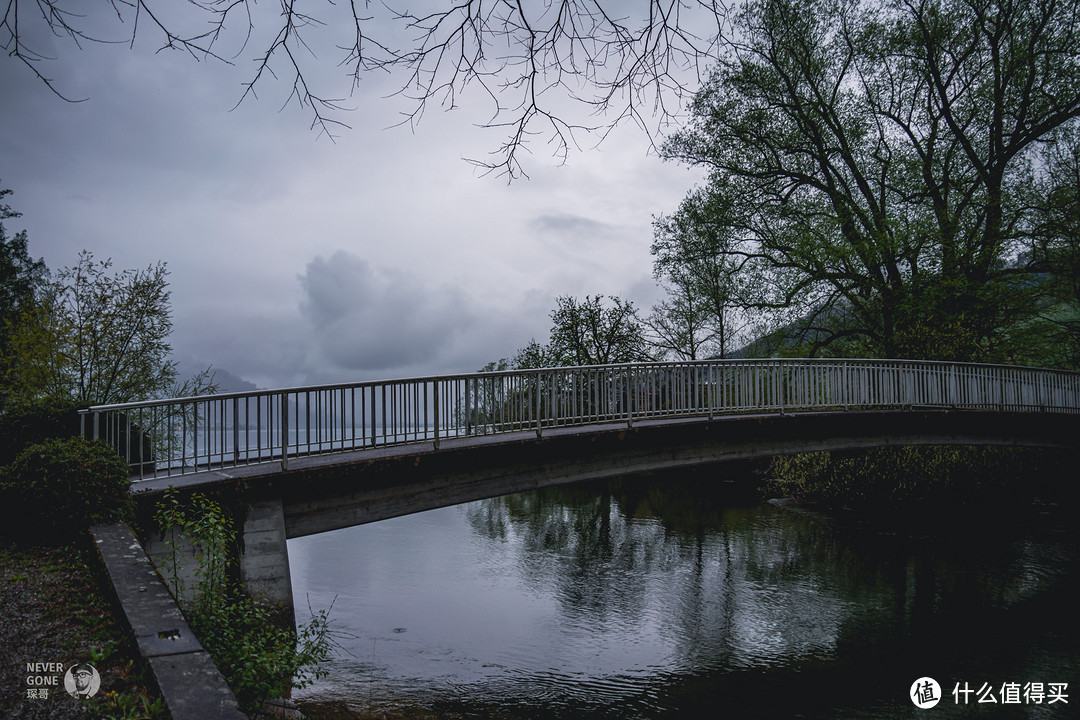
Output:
x=533 y=61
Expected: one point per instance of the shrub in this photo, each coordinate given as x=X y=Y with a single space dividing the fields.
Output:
x=57 y=488
x=955 y=475
x=31 y=422
x=258 y=659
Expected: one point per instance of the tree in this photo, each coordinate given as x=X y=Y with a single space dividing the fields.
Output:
x=529 y=59
x=534 y=356
x=680 y=326
x=695 y=258
x=873 y=159
x=1057 y=245
x=100 y=337
x=586 y=332
x=21 y=281
x=21 y=277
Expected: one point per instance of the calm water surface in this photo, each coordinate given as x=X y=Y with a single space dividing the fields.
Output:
x=652 y=599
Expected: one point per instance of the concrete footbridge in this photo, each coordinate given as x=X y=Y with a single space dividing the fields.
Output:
x=312 y=459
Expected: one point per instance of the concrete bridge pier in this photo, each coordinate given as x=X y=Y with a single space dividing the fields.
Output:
x=261 y=557
x=264 y=558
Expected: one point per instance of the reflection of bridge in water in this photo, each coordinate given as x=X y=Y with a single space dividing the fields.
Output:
x=314 y=459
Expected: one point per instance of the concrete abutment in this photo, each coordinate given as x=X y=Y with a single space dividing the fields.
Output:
x=260 y=558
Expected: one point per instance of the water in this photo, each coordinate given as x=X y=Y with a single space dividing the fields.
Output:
x=651 y=599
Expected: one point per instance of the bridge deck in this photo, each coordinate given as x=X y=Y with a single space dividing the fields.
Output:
x=327 y=492
x=194 y=480
x=221 y=436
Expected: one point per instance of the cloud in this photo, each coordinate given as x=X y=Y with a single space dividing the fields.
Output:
x=295 y=260
x=365 y=317
x=565 y=225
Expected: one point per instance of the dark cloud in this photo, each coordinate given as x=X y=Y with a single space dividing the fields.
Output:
x=420 y=266
x=374 y=318
x=565 y=224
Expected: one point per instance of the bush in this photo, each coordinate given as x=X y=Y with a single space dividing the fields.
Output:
x=31 y=422
x=899 y=477
x=258 y=659
x=56 y=489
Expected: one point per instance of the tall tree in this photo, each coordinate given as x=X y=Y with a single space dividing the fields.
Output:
x=694 y=257
x=681 y=326
x=99 y=337
x=21 y=281
x=594 y=332
x=1056 y=250
x=872 y=159
x=21 y=277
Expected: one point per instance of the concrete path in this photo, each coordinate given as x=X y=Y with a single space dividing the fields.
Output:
x=189 y=681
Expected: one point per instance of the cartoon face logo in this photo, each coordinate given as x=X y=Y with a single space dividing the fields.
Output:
x=82 y=681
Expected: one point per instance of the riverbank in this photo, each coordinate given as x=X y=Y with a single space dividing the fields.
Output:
x=55 y=611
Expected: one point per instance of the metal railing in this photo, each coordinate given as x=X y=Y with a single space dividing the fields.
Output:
x=194 y=434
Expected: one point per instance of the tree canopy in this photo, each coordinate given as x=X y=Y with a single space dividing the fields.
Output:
x=874 y=163
x=593 y=330
x=21 y=281
x=98 y=337
x=21 y=277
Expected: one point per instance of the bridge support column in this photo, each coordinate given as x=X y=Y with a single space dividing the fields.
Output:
x=261 y=559
x=264 y=559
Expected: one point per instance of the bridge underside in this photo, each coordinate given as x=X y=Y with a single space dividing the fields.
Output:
x=330 y=492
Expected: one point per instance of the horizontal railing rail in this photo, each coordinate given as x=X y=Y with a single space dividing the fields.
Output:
x=193 y=434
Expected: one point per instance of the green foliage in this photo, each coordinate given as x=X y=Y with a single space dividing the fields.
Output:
x=21 y=280
x=54 y=490
x=1057 y=249
x=872 y=166
x=96 y=337
x=695 y=257
x=943 y=341
x=594 y=332
x=533 y=357
x=114 y=705
x=258 y=659
x=591 y=331
x=211 y=531
x=913 y=477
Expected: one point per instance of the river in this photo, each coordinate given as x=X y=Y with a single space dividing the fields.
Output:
x=664 y=597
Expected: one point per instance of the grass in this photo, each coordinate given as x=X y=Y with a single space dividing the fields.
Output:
x=56 y=611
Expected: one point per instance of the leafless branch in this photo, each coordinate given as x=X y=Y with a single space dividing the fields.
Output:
x=532 y=61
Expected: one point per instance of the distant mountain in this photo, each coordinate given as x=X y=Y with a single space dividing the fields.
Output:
x=227 y=381
x=230 y=382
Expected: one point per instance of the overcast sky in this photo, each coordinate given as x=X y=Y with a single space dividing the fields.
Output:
x=297 y=260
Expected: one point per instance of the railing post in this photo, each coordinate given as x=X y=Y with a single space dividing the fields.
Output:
x=845 y=386
x=554 y=403
x=780 y=385
x=630 y=390
x=468 y=414
x=194 y=436
x=285 y=431
x=539 y=404
x=435 y=392
x=711 y=388
x=236 y=430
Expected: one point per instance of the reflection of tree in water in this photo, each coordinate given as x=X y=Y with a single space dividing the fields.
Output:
x=745 y=587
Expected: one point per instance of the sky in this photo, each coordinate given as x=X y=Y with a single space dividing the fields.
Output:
x=298 y=260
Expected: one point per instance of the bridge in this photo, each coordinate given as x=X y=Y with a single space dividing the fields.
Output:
x=312 y=459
